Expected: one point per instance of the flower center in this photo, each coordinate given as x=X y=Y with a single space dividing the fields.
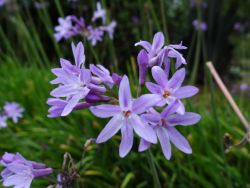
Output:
x=166 y=94
x=126 y=113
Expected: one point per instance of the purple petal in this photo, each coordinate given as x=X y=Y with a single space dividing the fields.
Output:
x=144 y=145
x=63 y=91
x=177 y=79
x=159 y=76
x=181 y=109
x=78 y=52
x=185 y=92
x=170 y=109
x=163 y=136
x=71 y=104
x=152 y=118
x=158 y=41
x=145 y=44
x=126 y=140
x=110 y=129
x=144 y=102
x=142 y=60
x=178 y=46
x=105 y=110
x=144 y=131
x=124 y=93
x=189 y=118
x=178 y=140
x=153 y=88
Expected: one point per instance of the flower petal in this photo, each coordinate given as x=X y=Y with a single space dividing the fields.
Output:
x=144 y=145
x=63 y=91
x=153 y=88
x=71 y=104
x=144 y=131
x=110 y=129
x=163 y=136
x=170 y=109
x=181 y=109
x=189 y=118
x=159 y=76
x=177 y=79
x=78 y=52
x=185 y=92
x=124 y=93
x=105 y=110
x=178 y=140
x=126 y=140
x=144 y=102
x=145 y=44
x=158 y=41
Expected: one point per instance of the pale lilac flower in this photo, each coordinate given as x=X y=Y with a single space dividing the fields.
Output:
x=99 y=13
x=199 y=25
x=116 y=78
x=103 y=74
x=158 y=54
x=75 y=85
x=13 y=110
x=64 y=29
x=59 y=181
x=164 y=126
x=41 y=5
x=167 y=91
x=20 y=172
x=125 y=117
x=154 y=50
x=110 y=28
x=3 y=122
x=58 y=105
x=243 y=87
x=2 y=2
x=94 y=35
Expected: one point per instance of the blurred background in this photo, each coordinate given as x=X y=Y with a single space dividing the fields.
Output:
x=217 y=31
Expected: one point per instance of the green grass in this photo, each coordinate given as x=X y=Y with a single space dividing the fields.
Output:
x=42 y=139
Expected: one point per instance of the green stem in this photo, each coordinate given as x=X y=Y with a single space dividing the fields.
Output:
x=151 y=162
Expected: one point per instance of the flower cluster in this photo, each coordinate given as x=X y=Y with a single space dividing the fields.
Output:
x=73 y=26
x=199 y=25
x=11 y=110
x=152 y=116
x=19 y=172
x=79 y=87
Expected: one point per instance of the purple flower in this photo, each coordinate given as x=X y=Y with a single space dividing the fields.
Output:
x=199 y=25
x=167 y=91
x=164 y=126
x=125 y=117
x=3 y=122
x=58 y=105
x=110 y=29
x=243 y=87
x=238 y=27
x=64 y=29
x=76 y=84
x=99 y=13
x=154 y=50
x=13 y=110
x=2 y=2
x=20 y=172
x=156 y=54
x=94 y=35
x=103 y=74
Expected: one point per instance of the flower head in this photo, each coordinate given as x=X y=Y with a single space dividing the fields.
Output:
x=199 y=25
x=13 y=110
x=125 y=117
x=164 y=126
x=94 y=35
x=64 y=29
x=3 y=122
x=20 y=172
x=167 y=91
x=110 y=28
x=99 y=13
